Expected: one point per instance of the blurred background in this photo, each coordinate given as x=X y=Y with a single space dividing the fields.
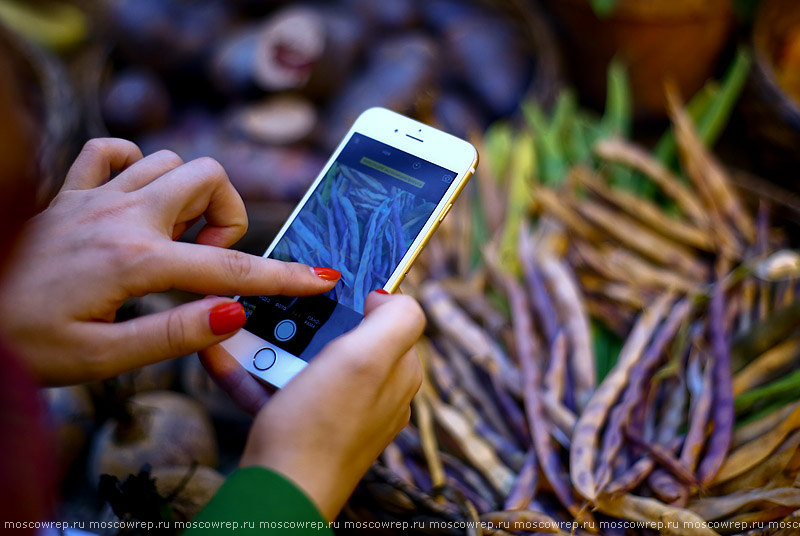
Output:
x=268 y=87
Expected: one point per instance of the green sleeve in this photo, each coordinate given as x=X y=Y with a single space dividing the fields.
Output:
x=257 y=500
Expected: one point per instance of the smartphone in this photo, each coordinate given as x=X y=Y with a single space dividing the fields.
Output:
x=369 y=213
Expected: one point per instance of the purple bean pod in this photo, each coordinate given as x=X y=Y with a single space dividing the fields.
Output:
x=723 y=411
x=621 y=414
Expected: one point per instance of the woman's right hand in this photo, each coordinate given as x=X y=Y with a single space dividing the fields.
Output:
x=330 y=422
x=103 y=241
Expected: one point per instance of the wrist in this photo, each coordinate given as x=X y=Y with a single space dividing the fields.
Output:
x=322 y=480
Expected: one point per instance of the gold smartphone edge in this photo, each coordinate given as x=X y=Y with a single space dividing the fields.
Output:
x=450 y=201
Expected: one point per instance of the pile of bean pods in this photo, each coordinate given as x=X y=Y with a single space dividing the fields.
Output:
x=600 y=361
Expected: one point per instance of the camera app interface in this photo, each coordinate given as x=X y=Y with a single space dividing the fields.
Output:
x=361 y=220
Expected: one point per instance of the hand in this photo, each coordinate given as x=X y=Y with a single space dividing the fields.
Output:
x=330 y=422
x=101 y=242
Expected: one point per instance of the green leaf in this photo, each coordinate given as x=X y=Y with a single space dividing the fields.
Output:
x=521 y=176
x=607 y=346
x=497 y=142
x=618 y=117
x=552 y=164
x=710 y=108
x=603 y=8
x=784 y=389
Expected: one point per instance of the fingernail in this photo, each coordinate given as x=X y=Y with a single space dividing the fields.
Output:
x=381 y=291
x=328 y=274
x=226 y=317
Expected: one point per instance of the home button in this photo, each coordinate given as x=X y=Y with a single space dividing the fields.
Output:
x=264 y=358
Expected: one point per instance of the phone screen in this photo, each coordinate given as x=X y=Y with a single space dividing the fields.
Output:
x=361 y=219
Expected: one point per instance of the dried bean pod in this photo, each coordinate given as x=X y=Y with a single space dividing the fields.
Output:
x=524 y=489
x=542 y=304
x=390 y=498
x=702 y=397
x=666 y=487
x=477 y=451
x=441 y=373
x=427 y=436
x=514 y=416
x=513 y=520
x=710 y=508
x=392 y=457
x=631 y=477
x=682 y=522
x=454 y=481
x=704 y=170
x=555 y=377
x=764 y=367
x=526 y=352
x=663 y=456
x=626 y=266
x=443 y=509
x=459 y=328
x=561 y=416
x=471 y=478
x=549 y=202
x=775 y=470
x=618 y=150
x=585 y=437
x=750 y=454
x=474 y=387
x=572 y=315
x=642 y=240
x=756 y=429
x=646 y=212
x=639 y=372
x=672 y=412
x=723 y=411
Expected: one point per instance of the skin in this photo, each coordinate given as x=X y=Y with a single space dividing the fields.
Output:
x=336 y=416
x=103 y=241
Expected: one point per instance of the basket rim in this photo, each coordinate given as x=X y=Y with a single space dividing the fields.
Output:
x=674 y=11
x=764 y=64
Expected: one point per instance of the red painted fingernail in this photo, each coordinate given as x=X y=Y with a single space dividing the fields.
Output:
x=381 y=291
x=226 y=317
x=328 y=274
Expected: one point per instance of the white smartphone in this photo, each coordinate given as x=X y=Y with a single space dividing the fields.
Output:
x=368 y=214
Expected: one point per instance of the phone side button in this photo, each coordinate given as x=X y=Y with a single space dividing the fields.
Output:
x=445 y=211
x=264 y=358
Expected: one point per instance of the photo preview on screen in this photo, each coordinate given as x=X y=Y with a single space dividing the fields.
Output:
x=361 y=219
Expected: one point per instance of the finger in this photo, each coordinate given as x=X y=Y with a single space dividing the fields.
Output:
x=390 y=328
x=181 y=228
x=97 y=160
x=246 y=391
x=375 y=299
x=405 y=378
x=146 y=171
x=169 y=334
x=212 y=270
x=201 y=188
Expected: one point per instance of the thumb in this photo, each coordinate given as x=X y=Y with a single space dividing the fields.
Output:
x=173 y=333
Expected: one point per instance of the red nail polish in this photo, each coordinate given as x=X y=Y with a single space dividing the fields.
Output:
x=328 y=274
x=226 y=317
x=381 y=291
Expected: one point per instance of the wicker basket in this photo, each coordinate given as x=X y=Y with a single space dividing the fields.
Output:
x=548 y=74
x=677 y=40
x=773 y=116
